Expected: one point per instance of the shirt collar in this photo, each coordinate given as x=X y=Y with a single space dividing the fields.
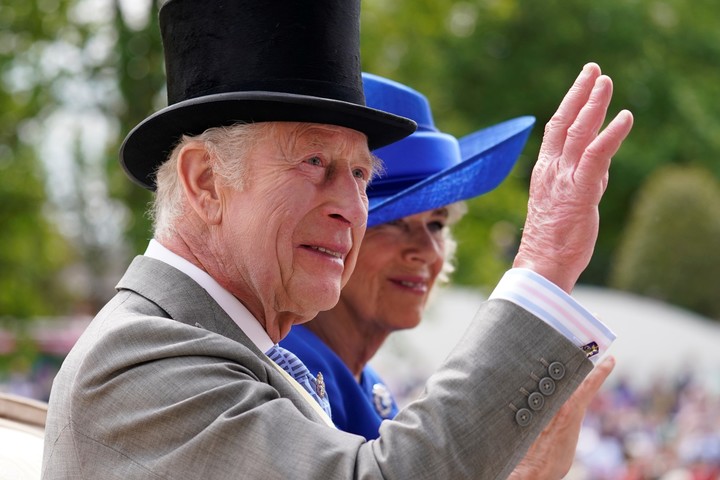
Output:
x=227 y=301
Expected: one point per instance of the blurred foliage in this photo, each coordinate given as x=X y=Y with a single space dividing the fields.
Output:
x=32 y=252
x=483 y=61
x=141 y=80
x=478 y=61
x=668 y=251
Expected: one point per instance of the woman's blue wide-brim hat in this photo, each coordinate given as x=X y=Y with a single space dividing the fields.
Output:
x=430 y=169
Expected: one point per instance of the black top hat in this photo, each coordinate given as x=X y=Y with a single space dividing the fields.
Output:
x=231 y=61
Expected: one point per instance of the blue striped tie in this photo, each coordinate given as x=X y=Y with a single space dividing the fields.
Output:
x=289 y=362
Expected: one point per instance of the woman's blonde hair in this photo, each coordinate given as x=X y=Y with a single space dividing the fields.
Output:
x=455 y=212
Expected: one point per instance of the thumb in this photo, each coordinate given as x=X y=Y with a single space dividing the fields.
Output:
x=592 y=383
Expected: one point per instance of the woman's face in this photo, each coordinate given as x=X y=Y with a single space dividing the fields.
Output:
x=396 y=269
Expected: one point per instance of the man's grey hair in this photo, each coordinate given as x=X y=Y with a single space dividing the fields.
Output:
x=227 y=148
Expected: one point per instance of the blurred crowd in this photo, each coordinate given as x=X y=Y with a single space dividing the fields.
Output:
x=667 y=430
x=31 y=380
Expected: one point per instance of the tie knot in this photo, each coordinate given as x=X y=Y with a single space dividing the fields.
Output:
x=288 y=361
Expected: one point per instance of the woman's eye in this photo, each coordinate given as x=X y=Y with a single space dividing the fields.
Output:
x=315 y=161
x=395 y=223
x=436 y=226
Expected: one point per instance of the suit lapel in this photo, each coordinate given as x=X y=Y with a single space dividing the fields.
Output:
x=187 y=302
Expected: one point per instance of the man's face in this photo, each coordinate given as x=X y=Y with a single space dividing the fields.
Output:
x=291 y=236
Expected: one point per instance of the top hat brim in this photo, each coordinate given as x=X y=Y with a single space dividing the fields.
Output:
x=150 y=142
x=488 y=156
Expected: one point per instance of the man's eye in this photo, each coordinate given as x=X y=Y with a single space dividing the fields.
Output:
x=315 y=161
x=359 y=173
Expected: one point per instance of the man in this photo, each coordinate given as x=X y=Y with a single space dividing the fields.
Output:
x=257 y=229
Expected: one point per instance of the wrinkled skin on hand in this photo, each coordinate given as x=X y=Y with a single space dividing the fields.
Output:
x=551 y=455
x=569 y=179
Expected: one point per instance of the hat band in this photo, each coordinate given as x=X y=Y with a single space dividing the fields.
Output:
x=386 y=188
x=309 y=88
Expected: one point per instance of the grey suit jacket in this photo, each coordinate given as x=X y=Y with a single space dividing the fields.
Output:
x=163 y=384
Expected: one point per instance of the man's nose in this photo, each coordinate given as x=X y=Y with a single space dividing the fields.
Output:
x=347 y=200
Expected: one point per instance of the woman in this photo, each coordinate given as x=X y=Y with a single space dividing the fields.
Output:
x=406 y=249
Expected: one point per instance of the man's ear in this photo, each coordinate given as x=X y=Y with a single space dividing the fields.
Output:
x=199 y=182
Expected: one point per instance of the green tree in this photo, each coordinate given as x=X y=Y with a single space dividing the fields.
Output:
x=668 y=249
x=138 y=65
x=482 y=61
x=75 y=79
x=32 y=252
x=478 y=61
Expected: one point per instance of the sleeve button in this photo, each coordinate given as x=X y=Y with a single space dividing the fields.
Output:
x=547 y=386
x=556 y=370
x=536 y=401
x=523 y=417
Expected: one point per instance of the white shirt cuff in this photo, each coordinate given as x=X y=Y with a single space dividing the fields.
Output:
x=551 y=304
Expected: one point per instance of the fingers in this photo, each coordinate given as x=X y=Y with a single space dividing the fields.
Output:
x=589 y=120
x=557 y=128
x=595 y=161
x=592 y=383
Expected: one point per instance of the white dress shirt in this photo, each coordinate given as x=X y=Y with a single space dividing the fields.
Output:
x=227 y=301
x=550 y=303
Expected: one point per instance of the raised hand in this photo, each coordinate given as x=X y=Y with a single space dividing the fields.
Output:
x=569 y=179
